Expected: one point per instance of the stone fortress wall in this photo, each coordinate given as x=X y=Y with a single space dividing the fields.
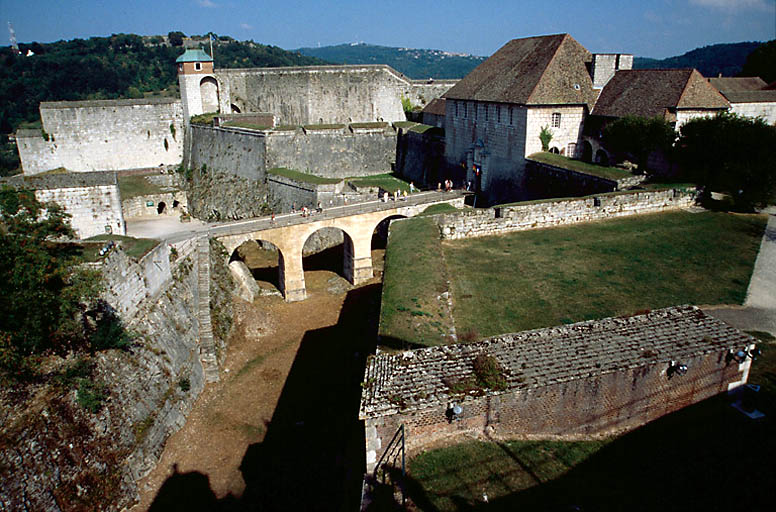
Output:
x=324 y=94
x=91 y=198
x=104 y=135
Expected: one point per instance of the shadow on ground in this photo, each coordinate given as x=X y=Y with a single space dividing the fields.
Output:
x=312 y=457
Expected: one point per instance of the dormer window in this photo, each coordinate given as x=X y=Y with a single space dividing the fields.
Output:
x=556 y=119
x=198 y=66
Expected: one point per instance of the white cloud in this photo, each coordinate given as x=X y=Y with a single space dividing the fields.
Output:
x=207 y=3
x=734 y=5
x=246 y=26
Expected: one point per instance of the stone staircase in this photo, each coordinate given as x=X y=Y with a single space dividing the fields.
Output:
x=207 y=348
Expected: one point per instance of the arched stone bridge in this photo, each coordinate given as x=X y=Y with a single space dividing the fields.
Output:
x=358 y=221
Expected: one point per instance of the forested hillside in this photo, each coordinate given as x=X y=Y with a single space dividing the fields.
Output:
x=120 y=66
x=711 y=60
x=414 y=63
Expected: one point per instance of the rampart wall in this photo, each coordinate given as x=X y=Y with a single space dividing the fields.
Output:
x=545 y=181
x=420 y=157
x=543 y=214
x=324 y=94
x=104 y=135
x=92 y=199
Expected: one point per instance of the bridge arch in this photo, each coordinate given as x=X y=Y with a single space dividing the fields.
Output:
x=262 y=260
x=380 y=231
x=325 y=242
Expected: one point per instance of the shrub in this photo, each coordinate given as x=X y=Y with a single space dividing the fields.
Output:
x=90 y=394
x=546 y=137
x=489 y=372
x=184 y=384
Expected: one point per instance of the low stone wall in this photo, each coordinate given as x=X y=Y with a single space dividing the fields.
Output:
x=533 y=215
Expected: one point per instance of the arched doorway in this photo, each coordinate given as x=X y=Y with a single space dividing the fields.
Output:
x=208 y=90
x=601 y=158
x=587 y=152
x=161 y=207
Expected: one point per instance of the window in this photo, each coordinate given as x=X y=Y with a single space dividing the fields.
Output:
x=465 y=110
x=476 y=107
x=511 y=115
x=486 y=111
x=198 y=66
x=571 y=151
x=556 y=119
x=498 y=113
x=456 y=108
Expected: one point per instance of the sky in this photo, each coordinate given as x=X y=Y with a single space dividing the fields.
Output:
x=646 y=28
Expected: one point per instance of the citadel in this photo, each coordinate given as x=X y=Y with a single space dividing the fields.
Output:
x=241 y=146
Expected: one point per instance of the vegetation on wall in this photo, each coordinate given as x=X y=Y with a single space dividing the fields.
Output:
x=731 y=154
x=637 y=137
x=47 y=297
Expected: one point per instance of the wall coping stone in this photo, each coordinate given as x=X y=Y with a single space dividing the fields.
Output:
x=57 y=181
x=107 y=103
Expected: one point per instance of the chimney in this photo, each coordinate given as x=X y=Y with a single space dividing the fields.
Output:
x=605 y=65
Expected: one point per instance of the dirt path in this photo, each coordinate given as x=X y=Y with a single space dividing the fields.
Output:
x=233 y=417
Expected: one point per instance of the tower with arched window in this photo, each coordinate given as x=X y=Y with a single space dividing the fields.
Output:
x=199 y=88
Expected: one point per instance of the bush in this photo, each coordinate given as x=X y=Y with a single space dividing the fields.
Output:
x=546 y=137
x=91 y=395
x=184 y=384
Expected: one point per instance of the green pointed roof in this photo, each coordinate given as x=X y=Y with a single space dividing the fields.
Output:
x=194 y=55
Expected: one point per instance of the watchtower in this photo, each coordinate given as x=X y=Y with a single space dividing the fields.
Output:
x=199 y=88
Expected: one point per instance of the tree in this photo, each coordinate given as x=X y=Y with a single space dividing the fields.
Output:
x=762 y=62
x=638 y=137
x=731 y=154
x=545 y=136
x=44 y=292
x=176 y=38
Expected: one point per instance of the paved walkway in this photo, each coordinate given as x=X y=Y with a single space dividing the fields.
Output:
x=759 y=310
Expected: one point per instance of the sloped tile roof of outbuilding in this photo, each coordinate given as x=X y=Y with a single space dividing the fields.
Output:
x=725 y=84
x=542 y=70
x=542 y=357
x=657 y=92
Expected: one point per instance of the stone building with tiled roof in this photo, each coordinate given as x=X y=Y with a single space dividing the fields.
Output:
x=494 y=115
x=577 y=381
x=748 y=96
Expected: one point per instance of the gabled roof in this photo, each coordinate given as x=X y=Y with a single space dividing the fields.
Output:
x=194 y=55
x=657 y=93
x=767 y=96
x=436 y=107
x=738 y=83
x=543 y=70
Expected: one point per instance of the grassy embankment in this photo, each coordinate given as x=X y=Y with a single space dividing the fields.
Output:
x=548 y=277
x=602 y=171
x=137 y=185
x=135 y=248
x=699 y=455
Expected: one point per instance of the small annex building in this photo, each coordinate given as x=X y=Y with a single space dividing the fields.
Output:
x=748 y=96
x=570 y=382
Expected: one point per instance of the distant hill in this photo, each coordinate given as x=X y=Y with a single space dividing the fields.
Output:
x=417 y=64
x=711 y=60
x=119 y=66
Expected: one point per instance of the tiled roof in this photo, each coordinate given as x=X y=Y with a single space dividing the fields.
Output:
x=768 y=96
x=541 y=357
x=194 y=55
x=543 y=70
x=656 y=92
x=727 y=84
x=436 y=107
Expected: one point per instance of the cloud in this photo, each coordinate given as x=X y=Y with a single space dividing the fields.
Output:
x=207 y=3
x=734 y=5
x=246 y=26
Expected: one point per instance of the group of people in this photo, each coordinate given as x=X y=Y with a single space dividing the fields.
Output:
x=448 y=186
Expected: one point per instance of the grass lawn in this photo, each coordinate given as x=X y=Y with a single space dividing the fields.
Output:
x=411 y=309
x=135 y=248
x=547 y=277
x=137 y=185
x=385 y=181
x=301 y=176
x=707 y=456
x=612 y=173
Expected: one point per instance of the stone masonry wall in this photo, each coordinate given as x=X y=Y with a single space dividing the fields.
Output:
x=765 y=110
x=420 y=157
x=546 y=181
x=104 y=135
x=579 y=409
x=533 y=215
x=138 y=207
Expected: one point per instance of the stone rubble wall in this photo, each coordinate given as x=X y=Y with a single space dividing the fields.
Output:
x=104 y=135
x=534 y=215
x=138 y=207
